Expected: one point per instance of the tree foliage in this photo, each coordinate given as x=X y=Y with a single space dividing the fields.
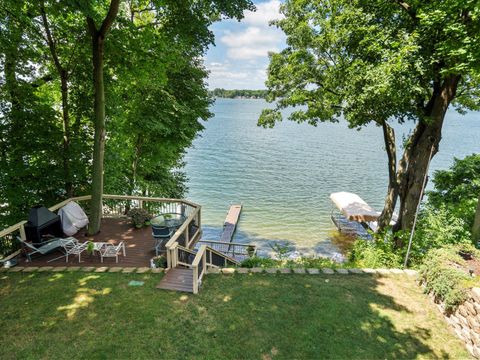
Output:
x=155 y=96
x=458 y=189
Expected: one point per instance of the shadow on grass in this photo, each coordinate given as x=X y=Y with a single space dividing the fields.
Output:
x=234 y=317
x=338 y=317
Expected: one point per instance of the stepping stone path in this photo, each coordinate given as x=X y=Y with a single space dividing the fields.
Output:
x=356 y=271
x=299 y=271
x=313 y=271
x=31 y=269
x=45 y=268
x=342 y=271
x=328 y=271
x=143 y=270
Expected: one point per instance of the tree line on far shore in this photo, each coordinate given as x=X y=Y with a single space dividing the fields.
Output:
x=239 y=93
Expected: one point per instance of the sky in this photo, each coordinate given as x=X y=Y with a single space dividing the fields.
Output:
x=239 y=59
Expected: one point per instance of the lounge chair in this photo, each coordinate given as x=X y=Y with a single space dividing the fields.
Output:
x=43 y=247
x=73 y=247
x=110 y=250
x=161 y=234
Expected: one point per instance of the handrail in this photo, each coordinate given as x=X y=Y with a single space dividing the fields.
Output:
x=226 y=243
x=202 y=259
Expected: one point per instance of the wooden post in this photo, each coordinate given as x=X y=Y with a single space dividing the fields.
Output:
x=187 y=236
x=169 y=258
x=23 y=236
x=199 y=218
x=195 y=279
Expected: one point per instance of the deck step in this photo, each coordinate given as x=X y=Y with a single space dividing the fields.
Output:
x=177 y=279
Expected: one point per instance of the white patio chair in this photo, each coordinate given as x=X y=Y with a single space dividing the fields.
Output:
x=110 y=250
x=73 y=247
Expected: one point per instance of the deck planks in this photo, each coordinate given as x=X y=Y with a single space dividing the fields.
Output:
x=230 y=223
x=177 y=279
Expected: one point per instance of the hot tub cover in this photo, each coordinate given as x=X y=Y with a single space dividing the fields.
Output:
x=73 y=218
x=354 y=207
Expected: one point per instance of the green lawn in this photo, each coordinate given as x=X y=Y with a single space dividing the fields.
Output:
x=260 y=316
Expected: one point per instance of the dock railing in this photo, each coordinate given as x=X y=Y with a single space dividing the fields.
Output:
x=117 y=206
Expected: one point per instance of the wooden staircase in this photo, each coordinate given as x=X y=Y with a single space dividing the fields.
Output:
x=178 y=279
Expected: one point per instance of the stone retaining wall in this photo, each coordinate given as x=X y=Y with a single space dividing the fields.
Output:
x=465 y=321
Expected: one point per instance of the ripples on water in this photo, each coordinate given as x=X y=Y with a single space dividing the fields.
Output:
x=283 y=176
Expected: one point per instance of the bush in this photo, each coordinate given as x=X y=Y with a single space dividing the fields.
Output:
x=300 y=262
x=377 y=253
x=437 y=227
x=140 y=217
x=160 y=261
x=458 y=188
x=256 y=261
x=444 y=273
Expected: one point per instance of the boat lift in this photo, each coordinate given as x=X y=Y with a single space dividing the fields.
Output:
x=354 y=216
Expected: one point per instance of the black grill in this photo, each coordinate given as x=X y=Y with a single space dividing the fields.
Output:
x=42 y=224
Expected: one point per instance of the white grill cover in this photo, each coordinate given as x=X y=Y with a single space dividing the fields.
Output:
x=353 y=207
x=73 y=218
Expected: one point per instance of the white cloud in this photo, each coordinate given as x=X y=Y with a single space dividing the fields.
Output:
x=265 y=13
x=252 y=43
x=244 y=49
x=232 y=76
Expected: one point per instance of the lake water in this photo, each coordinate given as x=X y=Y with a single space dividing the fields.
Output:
x=284 y=176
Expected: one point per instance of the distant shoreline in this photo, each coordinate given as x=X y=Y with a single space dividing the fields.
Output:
x=239 y=94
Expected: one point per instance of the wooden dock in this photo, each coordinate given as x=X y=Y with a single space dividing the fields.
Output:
x=230 y=224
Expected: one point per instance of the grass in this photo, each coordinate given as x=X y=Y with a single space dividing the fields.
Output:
x=256 y=316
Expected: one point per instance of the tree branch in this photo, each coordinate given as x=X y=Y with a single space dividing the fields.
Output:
x=111 y=15
x=50 y=42
x=407 y=8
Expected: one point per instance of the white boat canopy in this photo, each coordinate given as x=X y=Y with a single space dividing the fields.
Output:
x=354 y=207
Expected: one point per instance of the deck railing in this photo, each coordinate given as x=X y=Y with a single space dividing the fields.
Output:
x=236 y=251
x=207 y=257
x=118 y=205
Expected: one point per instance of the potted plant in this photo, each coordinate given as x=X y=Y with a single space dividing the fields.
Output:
x=90 y=248
x=158 y=262
x=140 y=217
x=250 y=250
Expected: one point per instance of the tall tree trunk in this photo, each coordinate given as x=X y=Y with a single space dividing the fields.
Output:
x=63 y=74
x=427 y=134
x=476 y=224
x=98 y=42
x=392 y=192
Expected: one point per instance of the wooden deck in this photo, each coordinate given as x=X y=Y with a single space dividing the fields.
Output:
x=230 y=224
x=177 y=279
x=139 y=247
